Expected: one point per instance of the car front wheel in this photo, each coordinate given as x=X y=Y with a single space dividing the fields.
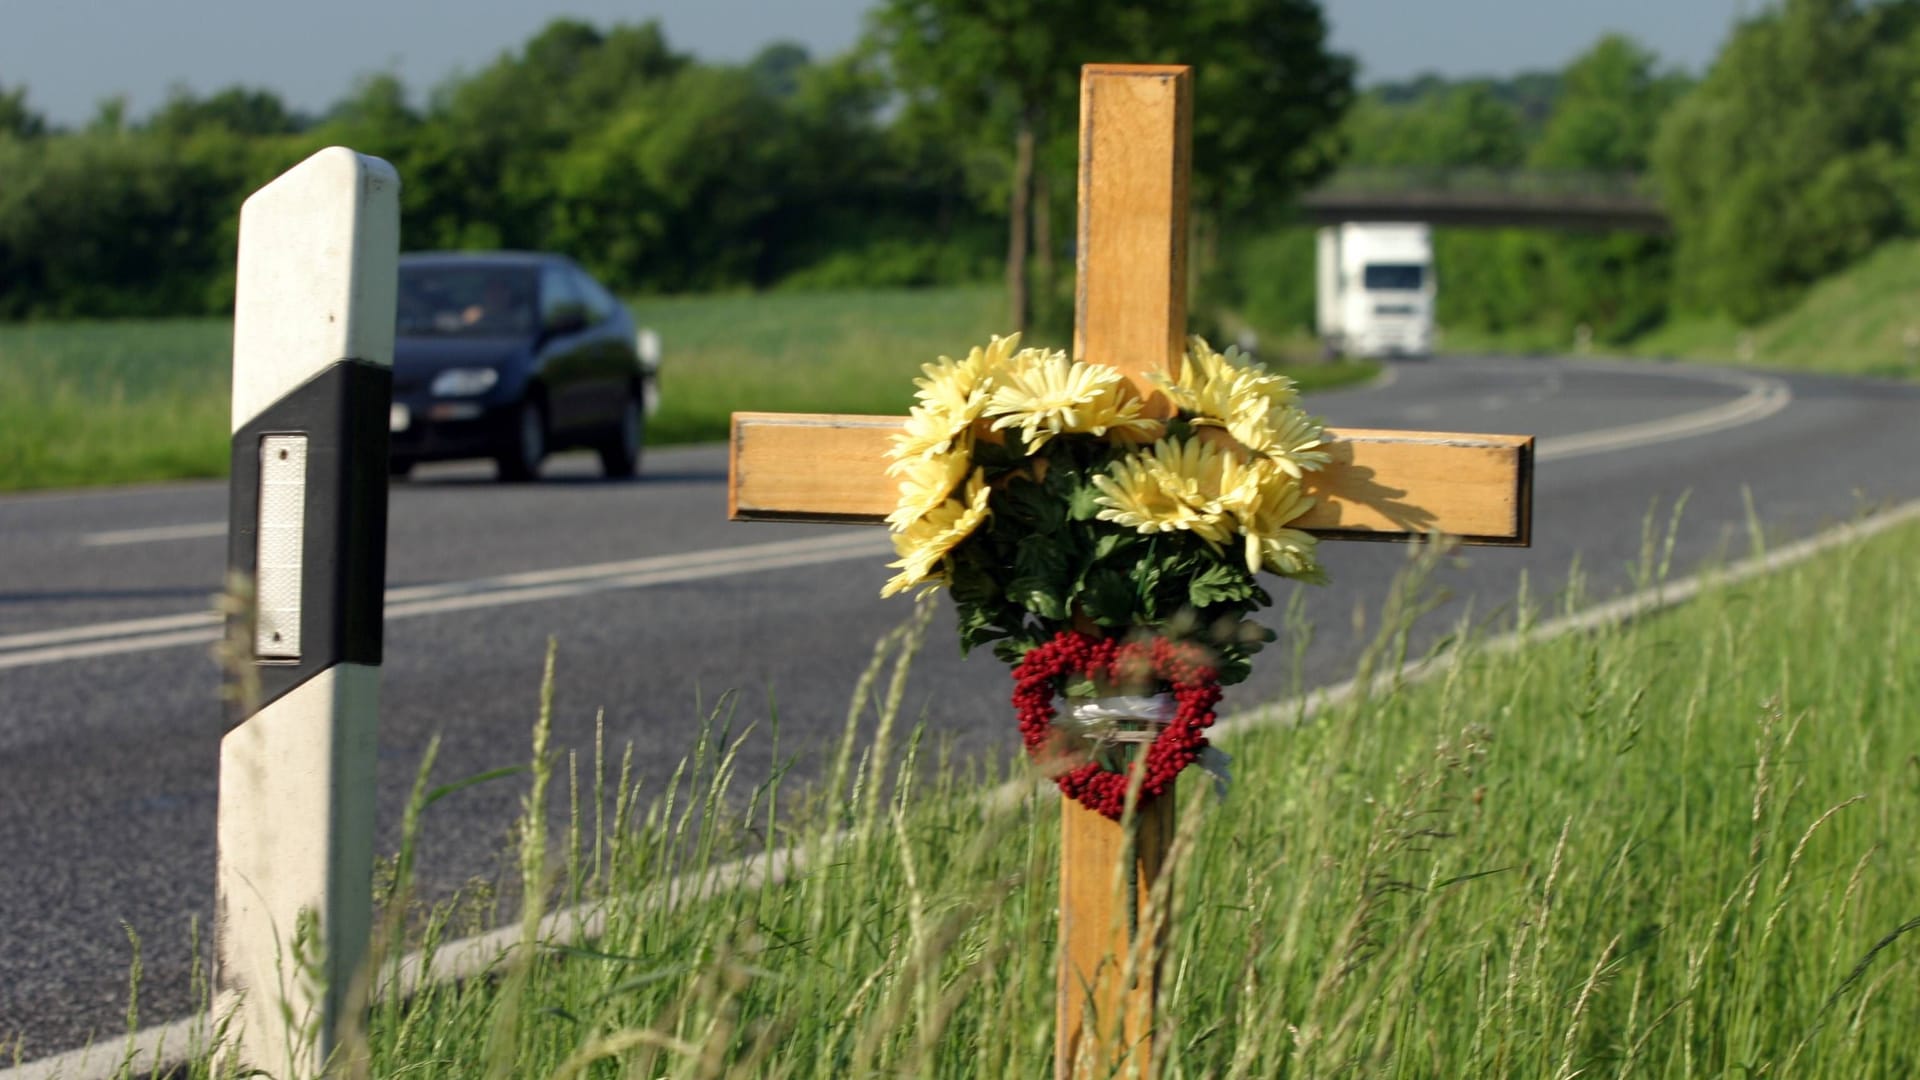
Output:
x=526 y=446
x=620 y=453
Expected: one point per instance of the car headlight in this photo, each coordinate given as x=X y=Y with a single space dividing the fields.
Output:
x=464 y=381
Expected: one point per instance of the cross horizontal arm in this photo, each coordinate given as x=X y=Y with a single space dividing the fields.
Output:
x=1381 y=485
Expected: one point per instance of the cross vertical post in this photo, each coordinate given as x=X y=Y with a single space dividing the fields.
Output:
x=307 y=527
x=1130 y=311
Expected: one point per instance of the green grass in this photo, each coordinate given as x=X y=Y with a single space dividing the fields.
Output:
x=1860 y=321
x=1678 y=847
x=113 y=402
x=123 y=402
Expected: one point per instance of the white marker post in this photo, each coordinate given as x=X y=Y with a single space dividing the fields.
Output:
x=312 y=382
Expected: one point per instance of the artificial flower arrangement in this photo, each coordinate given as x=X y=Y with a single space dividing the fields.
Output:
x=1108 y=554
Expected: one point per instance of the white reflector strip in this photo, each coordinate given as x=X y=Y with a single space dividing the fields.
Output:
x=281 y=538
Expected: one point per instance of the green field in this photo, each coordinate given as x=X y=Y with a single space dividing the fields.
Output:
x=121 y=402
x=1677 y=847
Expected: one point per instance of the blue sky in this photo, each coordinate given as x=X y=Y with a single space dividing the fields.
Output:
x=72 y=53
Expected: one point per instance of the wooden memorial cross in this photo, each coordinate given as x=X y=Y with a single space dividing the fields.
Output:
x=1130 y=312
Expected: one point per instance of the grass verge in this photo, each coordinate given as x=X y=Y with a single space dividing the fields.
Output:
x=123 y=402
x=1675 y=847
x=1860 y=321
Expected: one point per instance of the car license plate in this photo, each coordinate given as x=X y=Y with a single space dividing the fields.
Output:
x=399 y=418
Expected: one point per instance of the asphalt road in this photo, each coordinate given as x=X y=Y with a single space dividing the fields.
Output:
x=109 y=722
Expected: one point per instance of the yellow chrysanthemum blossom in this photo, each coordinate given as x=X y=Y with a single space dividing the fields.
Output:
x=1044 y=394
x=926 y=482
x=1291 y=438
x=1282 y=550
x=1217 y=492
x=1217 y=386
x=955 y=384
x=1175 y=486
x=930 y=432
x=952 y=396
x=926 y=541
x=1264 y=505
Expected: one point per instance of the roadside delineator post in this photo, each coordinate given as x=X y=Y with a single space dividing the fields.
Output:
x=307 y=526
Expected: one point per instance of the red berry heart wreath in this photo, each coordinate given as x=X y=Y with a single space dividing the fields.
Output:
x=1180 y=667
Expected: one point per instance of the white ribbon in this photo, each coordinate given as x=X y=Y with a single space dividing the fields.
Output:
x=1138 y=719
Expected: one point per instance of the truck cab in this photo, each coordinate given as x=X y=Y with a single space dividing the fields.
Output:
x=1375 y=286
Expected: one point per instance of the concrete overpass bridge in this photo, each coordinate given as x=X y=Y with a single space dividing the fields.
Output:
x=1484 y=198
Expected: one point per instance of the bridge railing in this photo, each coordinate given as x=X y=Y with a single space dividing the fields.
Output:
x=1489 y=198
x=1479 y=181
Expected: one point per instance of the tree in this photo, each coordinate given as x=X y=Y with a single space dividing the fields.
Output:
x=237 y=109
x=16 y=119
x=1793 y=156
x=1001 y=78
x=1463 y=125
x=1612 y=99
x=1268 y=94
x=995 y=76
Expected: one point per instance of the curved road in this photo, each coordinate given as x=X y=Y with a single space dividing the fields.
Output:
x=109 y=724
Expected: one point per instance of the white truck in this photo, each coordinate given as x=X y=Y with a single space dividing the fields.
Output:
x=1375 y=289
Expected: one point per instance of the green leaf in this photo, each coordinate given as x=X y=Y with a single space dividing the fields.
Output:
x=1108 y=598
x=1219 y=583
x=1110 y=544
x=1041 y=557
x=1028 y=504
x=1042 y=596
x=1083 y=502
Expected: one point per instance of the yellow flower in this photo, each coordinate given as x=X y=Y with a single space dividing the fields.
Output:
x=1265 y=507
x=960 y=386
x=952 y=395
x=1215 y=387
x=926 y=483
x=1045 y=394
x=1258 y=408
x=1175 y=486
x=929 y=432
x=924 y=542
x=1289 y=437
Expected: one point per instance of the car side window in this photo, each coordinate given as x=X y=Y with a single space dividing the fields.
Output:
x=560 y=301
x=600 y=303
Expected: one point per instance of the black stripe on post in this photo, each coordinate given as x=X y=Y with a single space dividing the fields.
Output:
x=343 y=412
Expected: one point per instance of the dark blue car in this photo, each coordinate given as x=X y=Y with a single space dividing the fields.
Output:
x=512 y=356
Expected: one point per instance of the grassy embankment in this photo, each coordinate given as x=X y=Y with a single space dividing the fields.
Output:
x=1679 y=847
x=1861 y=321
x=122 y=402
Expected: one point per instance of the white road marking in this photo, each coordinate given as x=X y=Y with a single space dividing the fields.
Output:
x=139 y=635
x=197 y=531
x=1764 y=397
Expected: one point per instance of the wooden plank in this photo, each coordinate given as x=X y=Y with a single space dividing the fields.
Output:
x=1382 y=485
x=1100 y=926
x=1130 y=304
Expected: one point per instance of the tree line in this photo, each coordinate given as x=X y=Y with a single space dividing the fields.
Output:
x=942 y=149
x=938 y=150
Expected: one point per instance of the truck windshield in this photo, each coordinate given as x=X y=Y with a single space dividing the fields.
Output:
x=465 y=301
x=1400 y=276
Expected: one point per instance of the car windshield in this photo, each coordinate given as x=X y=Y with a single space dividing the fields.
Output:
x=465 y=301
x=1394 y=275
